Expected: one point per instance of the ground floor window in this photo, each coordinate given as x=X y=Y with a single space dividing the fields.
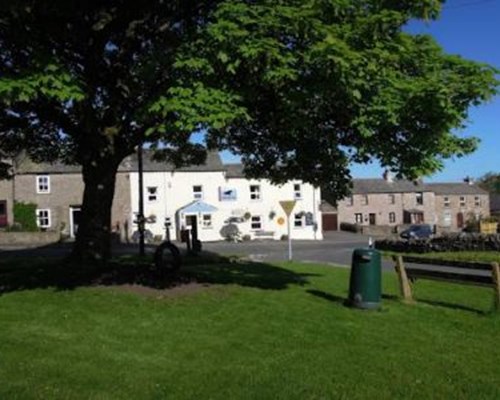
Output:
x=447 y=219
x=392 y=217
x=207 y=221
x=43 y=218
x=298 y=220
x=256 y=222
x=358 y=218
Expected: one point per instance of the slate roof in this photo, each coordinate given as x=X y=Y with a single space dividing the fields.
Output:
x=455 y=188
x=129 y=164
x=368 y=186
x=234 y=171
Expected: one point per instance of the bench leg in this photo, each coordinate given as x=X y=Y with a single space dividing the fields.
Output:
x=404 y=283
x=495 y=272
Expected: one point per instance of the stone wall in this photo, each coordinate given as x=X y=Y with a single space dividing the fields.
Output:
x=28 y=238
x=450 y=242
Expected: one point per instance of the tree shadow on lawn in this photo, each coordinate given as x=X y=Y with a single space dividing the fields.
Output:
x=207 y=269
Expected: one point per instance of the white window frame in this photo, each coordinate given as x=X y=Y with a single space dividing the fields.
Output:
x=47 y=217
x=255 y=195
x=198 y=195
x=206 y=223
x=447 y=219
x=256 y=219
x=152 y=195
x=365 y=201
x=297 y=191
x=356 y=220
x=419 y=198
x=42 y=187
x=392 y=217
x=350 y=201
x=462 y=201
x=446 y=201
x=392 y=199
x=298 y=221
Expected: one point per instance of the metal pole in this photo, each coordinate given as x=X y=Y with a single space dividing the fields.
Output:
x=289 y=240
x=140 y=217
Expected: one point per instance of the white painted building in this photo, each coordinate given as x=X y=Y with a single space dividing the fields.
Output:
x=214 y=195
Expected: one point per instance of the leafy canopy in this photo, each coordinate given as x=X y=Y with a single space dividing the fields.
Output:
x=298 y=88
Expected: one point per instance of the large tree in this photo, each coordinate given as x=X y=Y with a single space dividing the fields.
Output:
x=298 y=88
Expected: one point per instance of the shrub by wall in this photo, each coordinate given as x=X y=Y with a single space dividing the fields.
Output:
x=25 y=216
x=449 y=242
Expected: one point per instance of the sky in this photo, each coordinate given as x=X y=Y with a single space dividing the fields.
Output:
x=470 y=28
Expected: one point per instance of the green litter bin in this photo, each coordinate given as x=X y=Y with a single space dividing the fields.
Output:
x=365 y=284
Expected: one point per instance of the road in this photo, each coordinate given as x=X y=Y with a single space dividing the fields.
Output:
x=336 y=248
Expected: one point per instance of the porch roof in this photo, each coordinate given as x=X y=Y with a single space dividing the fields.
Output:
x=196 y=207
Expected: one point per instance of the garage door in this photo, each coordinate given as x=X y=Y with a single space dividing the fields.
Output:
x=330 y=222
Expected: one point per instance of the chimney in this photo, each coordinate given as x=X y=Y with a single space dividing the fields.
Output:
x=469 y=180
x=388 y=176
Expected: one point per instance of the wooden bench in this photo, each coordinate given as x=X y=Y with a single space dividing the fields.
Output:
x=466 y=274
x=261 y=234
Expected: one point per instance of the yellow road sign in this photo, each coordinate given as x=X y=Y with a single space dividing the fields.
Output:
x=288 y=206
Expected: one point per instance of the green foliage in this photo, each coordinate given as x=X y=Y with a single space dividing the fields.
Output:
x=490 y=182
x=25 y=216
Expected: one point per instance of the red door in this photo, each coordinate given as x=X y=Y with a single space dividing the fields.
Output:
x=460 y=220
x=3 y=214
x=330 y=222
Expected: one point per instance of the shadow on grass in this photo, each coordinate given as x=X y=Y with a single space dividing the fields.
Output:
x=209 y=268
x=453 y=306
x=328 y=296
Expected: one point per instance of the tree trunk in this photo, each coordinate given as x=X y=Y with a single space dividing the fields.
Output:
x=93 y=239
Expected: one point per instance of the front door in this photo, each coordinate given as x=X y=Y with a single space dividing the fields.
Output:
x=74 y=218
x=460 y=220
x=3 y=214
x=373 y=219
x=192 y=221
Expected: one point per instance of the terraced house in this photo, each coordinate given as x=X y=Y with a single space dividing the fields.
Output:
x=204 y=198
x=389 y=203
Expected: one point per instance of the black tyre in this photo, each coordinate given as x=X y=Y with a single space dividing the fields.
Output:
x=167 y=257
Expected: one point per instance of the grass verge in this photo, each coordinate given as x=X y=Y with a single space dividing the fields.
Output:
x=253 y=331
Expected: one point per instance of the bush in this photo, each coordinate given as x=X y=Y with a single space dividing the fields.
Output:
x=348 y=227
x=25 y=217
x=246 y=238
x=230 y=232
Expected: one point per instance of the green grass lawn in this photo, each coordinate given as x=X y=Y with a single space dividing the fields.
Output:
x=246 y=331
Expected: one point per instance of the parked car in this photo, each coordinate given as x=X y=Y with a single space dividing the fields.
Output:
x=423 y=231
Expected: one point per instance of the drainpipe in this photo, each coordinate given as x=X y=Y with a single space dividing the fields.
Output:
x=140 y=217
x=315 y=226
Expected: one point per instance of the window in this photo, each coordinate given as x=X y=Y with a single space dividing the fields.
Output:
x=207 y=221
x=350 y=200
x=298 y=220
x=447 y=218
x=198 y=192
x=462 y=201
x=392 y=199
x=297 y=193
x=477 y=201
x=43 y=184
x=446 y=201
x=392 y=217
x=358 y=218
x=420 y=198
x=254 y=192
x=43 y=218
x=256 y=222
x=365 y=200
x=152 y=193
